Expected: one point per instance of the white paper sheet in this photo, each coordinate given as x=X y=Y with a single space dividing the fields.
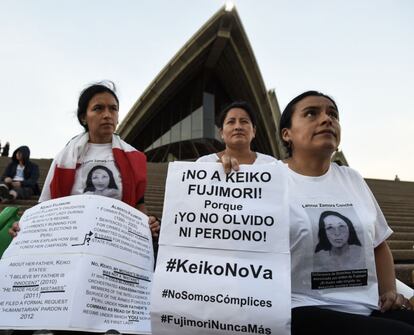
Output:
x=79 y=263
x=207 y=282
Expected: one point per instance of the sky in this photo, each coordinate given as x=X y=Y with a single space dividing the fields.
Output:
x=359 y=52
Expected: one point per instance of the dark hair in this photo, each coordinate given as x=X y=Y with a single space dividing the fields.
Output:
x=25 y=151
x=89 y=185
x=88 y=93
x=237 y=104
x=324 y=243
x=286 y=118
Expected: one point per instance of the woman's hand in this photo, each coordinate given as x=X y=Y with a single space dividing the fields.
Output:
x=154 y=224
x=14 y=230
x=392 y=300
x=229 y=163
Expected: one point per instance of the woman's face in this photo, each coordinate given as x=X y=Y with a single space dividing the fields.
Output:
x=336 y=230
x=19 y=156
x=100 y=179
x=315 y=126
x=102 y=117
x=237 y=129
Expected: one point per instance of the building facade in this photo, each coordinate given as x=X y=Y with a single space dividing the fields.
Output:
x=175 y=118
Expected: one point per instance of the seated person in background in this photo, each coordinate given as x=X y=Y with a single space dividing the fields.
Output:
x=237 y=124
x=19 y=180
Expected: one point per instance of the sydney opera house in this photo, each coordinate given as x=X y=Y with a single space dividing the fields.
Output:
x=174 y=119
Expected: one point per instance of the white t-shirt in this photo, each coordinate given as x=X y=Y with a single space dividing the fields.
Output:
x=335 y=225
x=19 y=176
x=96 y=174
x=260 y=159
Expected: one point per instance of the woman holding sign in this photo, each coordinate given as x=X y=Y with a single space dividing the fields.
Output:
x=237 y=124
x=343 y=294
x=98 y=146
x=356 y=299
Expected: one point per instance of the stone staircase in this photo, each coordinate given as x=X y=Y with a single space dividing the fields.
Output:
x=154 y=195
x=396 y=200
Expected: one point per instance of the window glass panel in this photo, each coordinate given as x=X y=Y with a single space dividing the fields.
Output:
x=157 y=143
x=197 y=123
x=175 y=133
x=217 y=133
x=186 y=128
x=165 y=139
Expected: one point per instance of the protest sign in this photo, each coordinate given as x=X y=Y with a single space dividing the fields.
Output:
x=242 y=210
x=224 y=264
x=79 y=263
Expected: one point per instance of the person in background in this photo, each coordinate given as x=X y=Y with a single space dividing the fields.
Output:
x=19 y=180
x=237 y=124
x=6 y=148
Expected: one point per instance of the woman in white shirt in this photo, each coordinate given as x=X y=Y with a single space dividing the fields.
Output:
x=237 y=124
x=98 y=146
x=356 y=297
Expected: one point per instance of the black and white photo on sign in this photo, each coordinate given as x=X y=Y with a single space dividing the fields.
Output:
x=101 y=181
x=338 y=241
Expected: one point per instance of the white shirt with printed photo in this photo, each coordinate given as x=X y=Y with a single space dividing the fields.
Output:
x=335 y=225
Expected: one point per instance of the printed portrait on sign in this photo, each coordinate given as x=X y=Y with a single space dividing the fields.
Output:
x=101 y=181
x=338 y=245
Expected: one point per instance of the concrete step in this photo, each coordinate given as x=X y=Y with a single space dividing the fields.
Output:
x=402 y=229
x=403 y=256
x=406 y=245
x=392 y=223
x=400 y=207
x=404 y=272
x=399 y=216
x=402 y=237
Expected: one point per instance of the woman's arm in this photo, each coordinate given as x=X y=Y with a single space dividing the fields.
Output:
x=389 y=299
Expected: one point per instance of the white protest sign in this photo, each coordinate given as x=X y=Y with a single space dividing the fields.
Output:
x=242 y=210
x=214 y=292
x=79 y=263
x=212 y=283
x=85 y=223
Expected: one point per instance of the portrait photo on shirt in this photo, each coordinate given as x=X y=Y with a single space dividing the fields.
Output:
x=100 y=181
x=338 y=240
